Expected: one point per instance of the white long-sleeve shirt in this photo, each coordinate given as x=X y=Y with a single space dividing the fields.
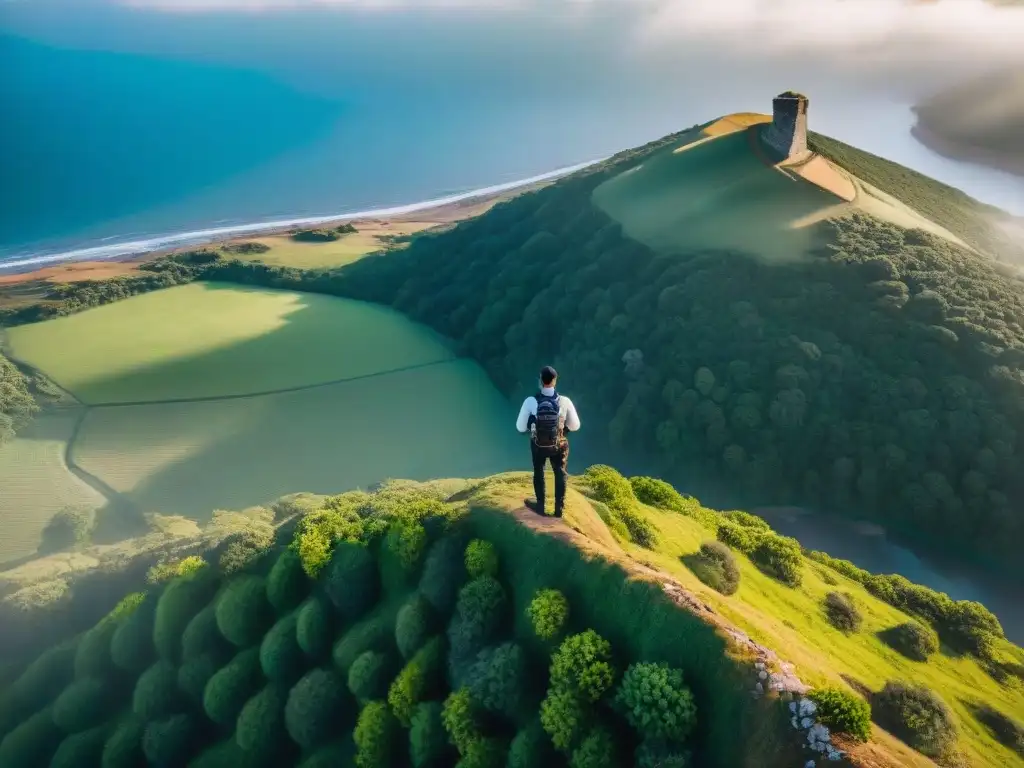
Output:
x=566 y=412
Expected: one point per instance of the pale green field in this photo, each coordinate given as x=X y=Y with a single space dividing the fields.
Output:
x=35 y=484
x=791 y=621
x=286 y=252
x=191 y=458
x=212 y=340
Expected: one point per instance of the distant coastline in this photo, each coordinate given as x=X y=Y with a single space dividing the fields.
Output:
x=156 y=244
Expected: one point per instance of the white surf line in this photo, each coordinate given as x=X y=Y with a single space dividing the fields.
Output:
x=203 y=236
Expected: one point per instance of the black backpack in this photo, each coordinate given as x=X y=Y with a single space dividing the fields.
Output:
x=549 y=424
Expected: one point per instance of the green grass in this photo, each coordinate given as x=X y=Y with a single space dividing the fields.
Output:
x=716 y=194
x=35 y=483
x=791 y=622
x=213 y=340
x=286 y=252
x=190 y=458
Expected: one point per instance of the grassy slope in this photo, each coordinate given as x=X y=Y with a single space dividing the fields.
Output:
x=36 y=483
x=286 y=252
x=210 y=340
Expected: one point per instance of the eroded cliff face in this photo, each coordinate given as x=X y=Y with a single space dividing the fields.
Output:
x=979 y=121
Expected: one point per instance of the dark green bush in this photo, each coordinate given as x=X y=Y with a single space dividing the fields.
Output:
x=228 y=690
x=82 y=705
x=530 y=747
x=656 y=493
x=478 y=616
x=597 y=750
x=243 y=613
x=124 y=747
x=417 y=681
x=92 y=656
x=69 y=528
x=375 y=736
x=483 y=753
x=842 y=613
x=287 y=583
x=497 y=677
x=716 y=567
x=315 y=628
x=781 y=556
x=582 y=664
x=315 y=706
x=181 y=600
x=564 y=717
x=654 y=753
x=444 y=572
x=368 y=676
x=81 y=750
x=655 y=700
x=548 y=613
x=167 y=743
x=201 y=637
x=281 y=658
x=428 y=740
x=331 y=756
x=260 y=724
x=413 y=625
x=375 y=633
x=227 y=754
x=970 y=627
x=1008 y=732
x=404 y=547
x=131 y=645
x=38 y=685
x=351 y=580
x=195 y=673
x=843 y=711
x=32 y=743
x=737 y=536
x=157 y=693
x=481 y=559
x=916 y=715
x=460 y=720
x=641 y=530
x=913 y=639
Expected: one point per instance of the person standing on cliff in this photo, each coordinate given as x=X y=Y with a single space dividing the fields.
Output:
x=549 y=417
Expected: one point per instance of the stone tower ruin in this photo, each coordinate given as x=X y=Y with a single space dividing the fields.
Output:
x=787 y=134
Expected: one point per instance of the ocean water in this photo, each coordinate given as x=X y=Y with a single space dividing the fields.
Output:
x=124 y=123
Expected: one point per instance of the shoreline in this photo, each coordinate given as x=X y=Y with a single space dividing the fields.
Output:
x=447 y=209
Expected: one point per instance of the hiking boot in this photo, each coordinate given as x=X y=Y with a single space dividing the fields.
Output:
x=533 y=506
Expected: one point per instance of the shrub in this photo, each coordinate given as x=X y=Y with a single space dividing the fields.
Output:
x=913 y=639
x=32 y=742
x=970 y=627
x=319 y=532
x=229 y=688
x=460 y=719
x=195 y=673
x=374 y=736
x=81 y=750
x=416 y=681
x=478 y=616
x=737 y=537
x=496 y=678
x=597 y=750
x=428 y=740
x=70 y=527
x=201 y=637
x=243 y=550
x=295 y=503
x=168 y=742
x=330 y=756
x=481 y=559
x=842 y=711
x=260 y=724
x=716 y=567
x=641 y=530
x=131 y=645
x=181 y=600
x=372 y=634
x=842 y=613
x=916 y=715
x=444 y=572
x=530 y=747
x=483 y=753
x=156 y=692
x=563 y=717
x=124 y=747
x=351 y=580
x=548 y=613
x=656 y=493
x=37 y=686
x=172 y=569
x=281 y=658
x=781 y=556
x=746 y=520
x=92 y=656
x=412 y=626
x=287 y=583
x=404 y=544
x=82 y=705
x=1008 y=732
x=243 y=613
x=227 y=754
x=315 y=705
x=368 y=676
x=654 y=753
x=609 y=486
x=656 y=702
x=582 y=664
x=315 y=628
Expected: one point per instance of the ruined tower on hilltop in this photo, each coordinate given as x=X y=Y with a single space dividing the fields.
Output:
x=787 y=134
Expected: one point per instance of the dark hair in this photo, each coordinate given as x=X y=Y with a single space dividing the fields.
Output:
x=548 y=374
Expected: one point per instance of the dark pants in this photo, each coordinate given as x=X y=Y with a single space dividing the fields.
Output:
x=558 y=458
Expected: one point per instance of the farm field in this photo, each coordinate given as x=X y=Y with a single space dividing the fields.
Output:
x=36 y=483
x=192 y=458
x=213 y=340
